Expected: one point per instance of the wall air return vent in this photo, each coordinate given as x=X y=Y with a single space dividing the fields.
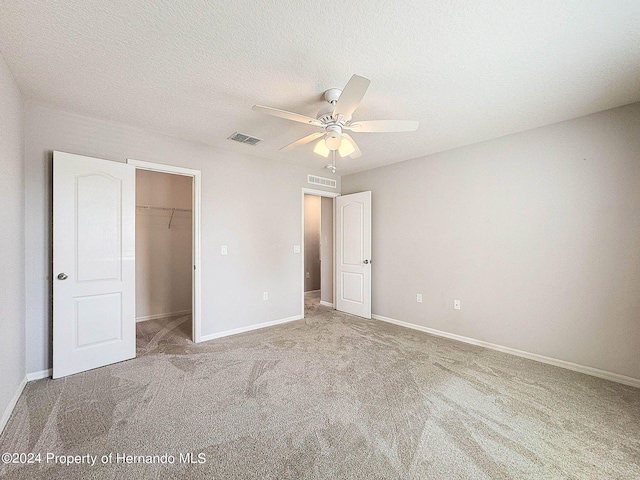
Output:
x=324 y=182
x=242 y=138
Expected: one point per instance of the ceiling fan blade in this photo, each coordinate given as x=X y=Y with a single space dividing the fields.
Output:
x=302 y=141
x=296 y=117
x=351 y=96
x=375 y=126
x=356 y=151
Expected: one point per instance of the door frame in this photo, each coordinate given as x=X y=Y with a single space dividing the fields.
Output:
x=318 y=193
x=196 y=290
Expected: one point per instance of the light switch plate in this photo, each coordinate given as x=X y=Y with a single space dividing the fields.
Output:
x=223 y=250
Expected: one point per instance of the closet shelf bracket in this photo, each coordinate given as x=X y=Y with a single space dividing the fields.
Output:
x=171 y=219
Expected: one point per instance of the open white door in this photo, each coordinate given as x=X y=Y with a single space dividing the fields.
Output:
x=93 y=263
x=353 y=259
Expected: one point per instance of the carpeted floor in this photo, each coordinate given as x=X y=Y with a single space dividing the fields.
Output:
x=329 y=397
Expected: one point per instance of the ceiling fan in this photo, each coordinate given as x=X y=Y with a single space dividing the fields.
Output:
x=335 y=119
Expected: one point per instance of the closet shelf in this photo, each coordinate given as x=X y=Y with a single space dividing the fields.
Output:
x=164 y=209
x=168 y=209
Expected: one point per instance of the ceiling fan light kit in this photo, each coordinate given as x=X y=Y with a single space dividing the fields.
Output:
x=333 y=138
x=335 y=118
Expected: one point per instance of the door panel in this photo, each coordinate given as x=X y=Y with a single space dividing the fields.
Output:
x=352 y=244
x=98 y=256
x=93 y=263
x=352 y=287
x=98 y=319
x=353 y=266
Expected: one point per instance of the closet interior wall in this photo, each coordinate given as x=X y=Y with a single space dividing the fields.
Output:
x=312 y=226
x=163 y=245
x=326 y=250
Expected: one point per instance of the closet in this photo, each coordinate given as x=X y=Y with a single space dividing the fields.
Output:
x=163 y=246
x=318 y=249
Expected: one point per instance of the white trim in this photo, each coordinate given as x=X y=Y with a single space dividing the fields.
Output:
x=319 y=193
x=595 y=372
x=162 y=315
x=249 y=328
x=12 y=404
x=312 y=291
x=326 y=304
x=161 y=167
x=196 y=306
x=39 y=375
x=196 y=303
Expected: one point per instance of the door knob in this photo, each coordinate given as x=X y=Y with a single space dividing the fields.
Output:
x=62 y=276
x=366 y=262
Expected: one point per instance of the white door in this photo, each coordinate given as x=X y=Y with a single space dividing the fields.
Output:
x=93 y=263
x=353 y=262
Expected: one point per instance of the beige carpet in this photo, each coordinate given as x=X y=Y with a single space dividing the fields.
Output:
x=330 y=397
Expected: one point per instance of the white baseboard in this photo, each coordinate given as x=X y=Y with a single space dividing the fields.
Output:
x=162 y=315
x=38 y=375
x=235 y=331
x=12 y=403
x=312 y=291
x=326 y=304
x=595 y=372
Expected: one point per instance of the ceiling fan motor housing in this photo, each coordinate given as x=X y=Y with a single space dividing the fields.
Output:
x=325 y=115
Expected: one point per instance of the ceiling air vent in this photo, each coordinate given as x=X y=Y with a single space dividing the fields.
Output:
x=325 y=182
x=242 y=138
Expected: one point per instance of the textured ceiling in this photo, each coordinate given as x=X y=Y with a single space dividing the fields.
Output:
x=468 y=70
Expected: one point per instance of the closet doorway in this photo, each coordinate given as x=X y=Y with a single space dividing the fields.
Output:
x=167 y=251
x=317 y=234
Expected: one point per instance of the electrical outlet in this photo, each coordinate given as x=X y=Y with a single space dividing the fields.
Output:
x=265 y=295
x=456 y=304
x=308 y=275
x=296 y=249
x=223 y=250
x=419 y=298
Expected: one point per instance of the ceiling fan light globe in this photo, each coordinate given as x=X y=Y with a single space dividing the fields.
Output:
x=333 y=141
x=346 y=148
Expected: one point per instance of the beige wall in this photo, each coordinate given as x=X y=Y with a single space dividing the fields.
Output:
x=163 y=255
x=12 y=279
x=538 y=235
x=326 y=249
x=249 y=204
x=311 y=243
